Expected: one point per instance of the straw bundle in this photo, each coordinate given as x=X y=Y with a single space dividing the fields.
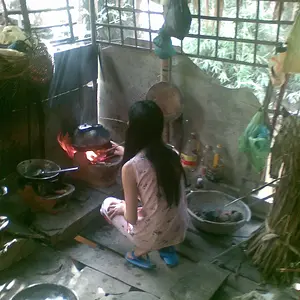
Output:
x=275 y=247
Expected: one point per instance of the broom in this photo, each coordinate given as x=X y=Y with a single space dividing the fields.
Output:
x=276 y=245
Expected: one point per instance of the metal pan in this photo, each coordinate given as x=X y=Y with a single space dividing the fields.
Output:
x=28 y=168
x=44 y=291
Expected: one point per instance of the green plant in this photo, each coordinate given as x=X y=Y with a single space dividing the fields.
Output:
x=237 y=75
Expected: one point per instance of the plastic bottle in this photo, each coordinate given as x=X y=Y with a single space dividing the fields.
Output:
x=210 y=159
x=189 y=155
x=217 y=161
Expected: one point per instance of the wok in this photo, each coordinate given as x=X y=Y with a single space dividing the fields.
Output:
x=28 y=168
x=89 y=137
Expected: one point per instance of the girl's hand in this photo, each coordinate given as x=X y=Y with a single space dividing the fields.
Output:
x=140 y=213
x=119 y=150
x=116 y=209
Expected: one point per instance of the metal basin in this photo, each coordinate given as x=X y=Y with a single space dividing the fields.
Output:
x=45 y=291
x=210 y=200
x=28 y=168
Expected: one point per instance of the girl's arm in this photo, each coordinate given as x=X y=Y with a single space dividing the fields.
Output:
x=130 y=193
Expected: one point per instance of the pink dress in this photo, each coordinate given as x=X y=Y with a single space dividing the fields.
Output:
x=160 y=226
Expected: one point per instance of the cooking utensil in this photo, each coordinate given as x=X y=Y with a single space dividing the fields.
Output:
x=28 y=167
x=208 y=200
x=44 y=291
x=166 y=95
x=252 y=192
x=88 y=137
x=41 y=172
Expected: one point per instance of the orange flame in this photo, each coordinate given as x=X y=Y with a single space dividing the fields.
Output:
x=91 y=155
x=66 y=145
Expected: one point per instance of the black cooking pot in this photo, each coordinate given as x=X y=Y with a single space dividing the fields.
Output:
x=91 y=137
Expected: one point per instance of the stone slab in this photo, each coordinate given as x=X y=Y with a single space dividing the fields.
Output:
x=49 y=266
x=199 y=284
x=17 y=250
x=237 y=262
x=92 y=284
x=196 y=247
x=82 y=208
x=225 y=293
x=156 y=282
x=107 y=236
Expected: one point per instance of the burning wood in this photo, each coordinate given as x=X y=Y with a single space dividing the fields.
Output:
x=93 y=156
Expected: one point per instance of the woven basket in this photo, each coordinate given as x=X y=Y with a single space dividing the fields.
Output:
x=13 y=64
x=20 y=73
x=40 y=65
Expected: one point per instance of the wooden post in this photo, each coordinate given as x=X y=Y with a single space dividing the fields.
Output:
x=24 y=10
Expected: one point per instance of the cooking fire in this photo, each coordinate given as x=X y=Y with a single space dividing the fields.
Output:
x=94 y=157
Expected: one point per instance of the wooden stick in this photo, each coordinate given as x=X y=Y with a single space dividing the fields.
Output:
x=278 y=105
x=165 y=70
x=284 y=270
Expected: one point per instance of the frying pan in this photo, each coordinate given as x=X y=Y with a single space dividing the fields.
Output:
x=28 y=168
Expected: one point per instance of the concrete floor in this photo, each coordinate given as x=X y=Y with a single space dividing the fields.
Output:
x=95 y=269
x=93 y=263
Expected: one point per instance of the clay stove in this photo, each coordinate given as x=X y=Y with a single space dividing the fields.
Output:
x=91 y=149
x=49 y=193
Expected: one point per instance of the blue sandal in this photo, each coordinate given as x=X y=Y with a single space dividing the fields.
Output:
x=140 y=262
x=169 y=256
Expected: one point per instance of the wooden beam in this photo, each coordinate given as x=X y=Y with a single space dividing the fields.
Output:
x=24 y=10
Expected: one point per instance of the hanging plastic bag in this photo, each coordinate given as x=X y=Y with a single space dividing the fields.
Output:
x=292 y=59
x=256 y=142
x=178 y=19
x=163 y=45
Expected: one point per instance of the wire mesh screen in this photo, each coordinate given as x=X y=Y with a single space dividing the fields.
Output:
x=49 y=20
x=230 y=39
x=220 y=29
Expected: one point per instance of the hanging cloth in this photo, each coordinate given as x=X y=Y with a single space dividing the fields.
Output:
x=178 y=19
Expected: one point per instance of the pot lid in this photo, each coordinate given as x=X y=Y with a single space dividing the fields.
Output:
x=89 y=137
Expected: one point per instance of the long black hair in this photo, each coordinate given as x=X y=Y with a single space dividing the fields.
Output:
x=145 y=129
